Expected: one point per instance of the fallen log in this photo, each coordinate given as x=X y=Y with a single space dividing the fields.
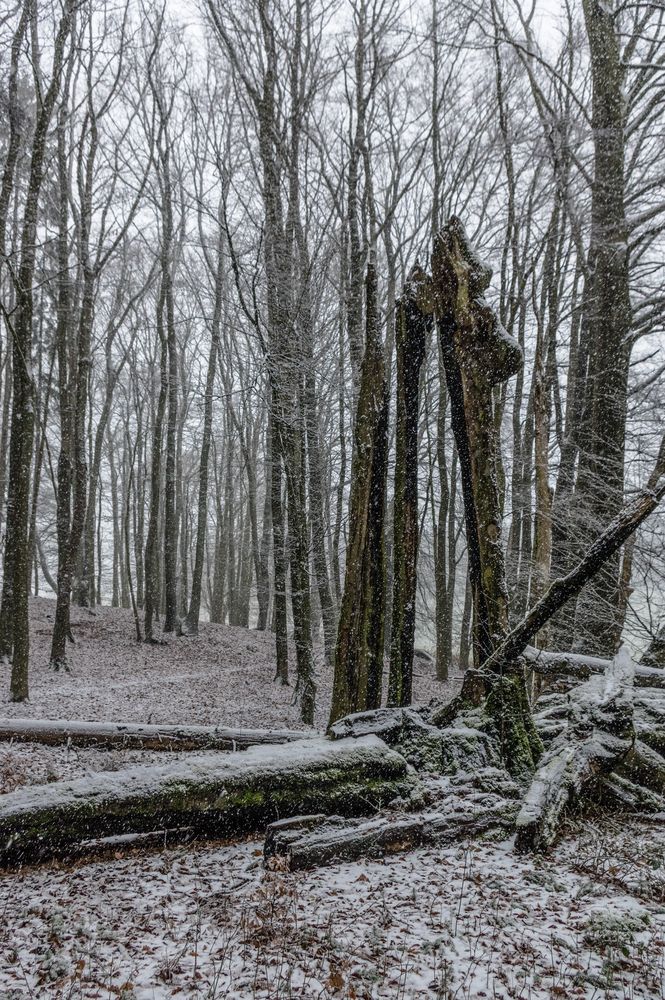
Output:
x=552 y=664
x=551 y=717
x=135 y=736
x=644 y=766
x=297 y=847
x=216 y=795
x=310 y=841
x=623 y=795
x=599 y=735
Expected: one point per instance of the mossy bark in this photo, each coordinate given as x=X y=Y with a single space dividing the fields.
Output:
x=215 y=795
x=512 y=726
x=360 y=634
x=411 y=328
x=478 y=354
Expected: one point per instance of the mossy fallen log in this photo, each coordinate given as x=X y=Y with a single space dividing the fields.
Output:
x=644 y=766
x=458 y=747
x=136 y=736
x=216 y=795
x=621 y=795
x=297 y=846
x=551 y=717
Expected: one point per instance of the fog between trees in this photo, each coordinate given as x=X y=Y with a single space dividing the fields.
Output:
x=207 y=229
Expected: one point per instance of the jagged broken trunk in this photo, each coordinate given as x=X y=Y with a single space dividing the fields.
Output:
x=478 y=354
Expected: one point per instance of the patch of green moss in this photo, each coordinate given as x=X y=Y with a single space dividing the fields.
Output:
x=511 y=725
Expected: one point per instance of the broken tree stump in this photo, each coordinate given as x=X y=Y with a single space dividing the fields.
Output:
x=478 y=354
x=413 y=321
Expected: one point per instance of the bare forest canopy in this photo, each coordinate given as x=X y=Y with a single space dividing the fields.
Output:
x=211 y=317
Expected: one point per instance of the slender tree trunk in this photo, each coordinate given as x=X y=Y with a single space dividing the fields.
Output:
x=14 y=634
x=190 y=625
x=410 y=335
x=599 y=491
x=359 y=653
x=151 y=554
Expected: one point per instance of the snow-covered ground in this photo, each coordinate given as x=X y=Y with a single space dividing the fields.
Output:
x=465 y=922
x=223 y=677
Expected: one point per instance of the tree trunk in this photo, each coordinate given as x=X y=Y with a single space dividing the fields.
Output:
x=608 y=320
x=359 y=653
x=151 y=573
x=412 y=325
x=135 y=736
x=478 y=354
x=190 y=624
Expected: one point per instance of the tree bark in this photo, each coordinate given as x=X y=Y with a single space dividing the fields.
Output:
x=412 y=324
x=478 y=354
x=608 y=319
x=14 y=633
x=359 y=653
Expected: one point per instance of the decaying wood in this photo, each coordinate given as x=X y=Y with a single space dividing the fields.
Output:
x=477 y=355
x=623 y=795
x=307 y=842
x=456 y=748
x=599 y=735
x=293 y=848
x=216 y=795
x=412 y=324
x=133 y=736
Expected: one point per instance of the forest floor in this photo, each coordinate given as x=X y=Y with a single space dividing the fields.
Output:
x=464 y=922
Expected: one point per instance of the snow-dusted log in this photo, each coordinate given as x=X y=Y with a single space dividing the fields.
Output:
x=310 y=841
x=133 y=736
x=623 y=795
x=552 y=664
x=290 y=847
x=597 y=738
x=216 y=795
x=448 y=750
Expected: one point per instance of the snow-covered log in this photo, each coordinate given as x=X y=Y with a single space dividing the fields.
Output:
x=294 y=846
x=133 y=736
x=598 y=737
x=623 y=795
x=310 y=841
x=553 y=664
x=216 y=795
